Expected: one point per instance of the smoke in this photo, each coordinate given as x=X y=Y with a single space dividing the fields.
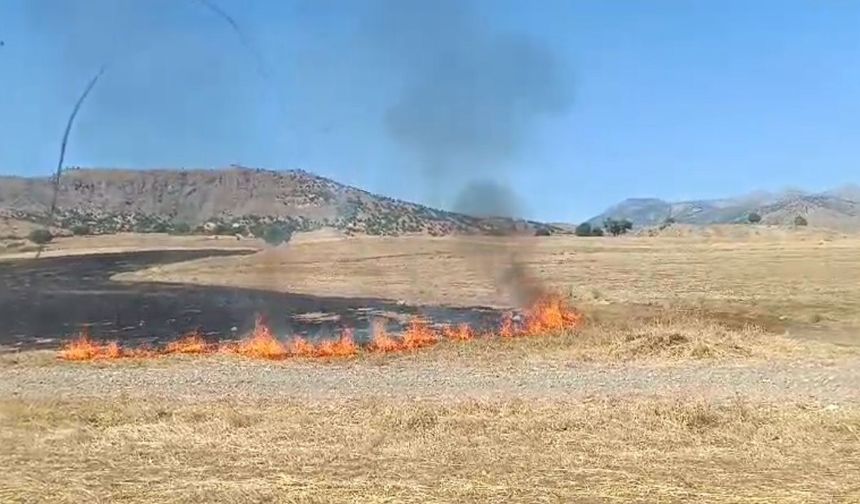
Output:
x=470 y=97
x=471 y=94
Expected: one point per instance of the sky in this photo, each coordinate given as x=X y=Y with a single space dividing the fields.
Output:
x=567 y=106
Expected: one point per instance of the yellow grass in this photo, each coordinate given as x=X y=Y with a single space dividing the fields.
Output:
x=393 y=450
x=793 y=280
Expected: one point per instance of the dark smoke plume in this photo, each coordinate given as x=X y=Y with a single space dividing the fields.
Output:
x=470 y=97
x=470 y=94
x=63 y=143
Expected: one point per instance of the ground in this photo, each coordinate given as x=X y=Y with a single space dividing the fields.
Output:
x=709 y=369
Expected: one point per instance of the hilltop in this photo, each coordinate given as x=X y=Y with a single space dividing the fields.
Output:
x=836 y=209
x=227 y=200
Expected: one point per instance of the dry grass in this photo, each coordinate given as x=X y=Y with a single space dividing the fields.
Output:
x=128 y=242
x=388 y=450
x=797 y=279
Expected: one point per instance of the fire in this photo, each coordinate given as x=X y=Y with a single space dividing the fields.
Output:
x=507 y=329
x=192 y=343
x=84 y=348
x=463 y=332
x=382 y=342
x=343 y=347
x=419 y=335
x=262 y=344
x=549 y=314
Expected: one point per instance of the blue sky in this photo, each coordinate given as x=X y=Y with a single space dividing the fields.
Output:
x=673 y=99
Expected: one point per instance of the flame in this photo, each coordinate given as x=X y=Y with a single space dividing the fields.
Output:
x=419 y=335
x=463 y=332
x=84 y=348
x=192 y=343
x=262 y=344
x=382 y=342
x=300 y=347
x=507 y=329
x=343 y=347
x=549 y=314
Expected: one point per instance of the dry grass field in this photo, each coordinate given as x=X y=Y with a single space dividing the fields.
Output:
x=711 y=369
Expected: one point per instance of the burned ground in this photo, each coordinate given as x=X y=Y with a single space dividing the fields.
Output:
x=49 y=300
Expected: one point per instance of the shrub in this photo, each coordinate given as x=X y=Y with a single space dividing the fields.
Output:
x=81 y=230
x=40 y=236
x=584 y=229
x=182 y=228
x=617 y=227
x=276 y=234
x=800 y=221
x=597 y=231
x=542 y=232
x=754 y=218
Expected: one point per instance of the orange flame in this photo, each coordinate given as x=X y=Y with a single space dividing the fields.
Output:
x=84 y=348
x=419 y=335
x=507 y=329
x=262 y=344
x=463 y=332
x=344 y=347
x=382 y=342
x=549 y=314
x=192 y=343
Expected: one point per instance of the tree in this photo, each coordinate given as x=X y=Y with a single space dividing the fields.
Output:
x=584 y=229
x=182 y=228
x=800 y=221
x=40 y=236
x=276 y=234
x=617 y=227
x=81 y=230
x=754 y=218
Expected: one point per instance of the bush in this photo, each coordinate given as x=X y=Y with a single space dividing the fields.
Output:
x=159 y=227
x=81 y=230
x=754 y=218
x=800 y=221
x=542 y=232
x=40 y=236
x=584 y=229
x=276 y=234
x=617 y=227
x=182 y=228
x=597 y=231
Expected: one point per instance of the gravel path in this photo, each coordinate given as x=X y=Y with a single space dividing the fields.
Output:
x=837 y=382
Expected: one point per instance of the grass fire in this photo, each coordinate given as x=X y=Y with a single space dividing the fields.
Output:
x=550 y=314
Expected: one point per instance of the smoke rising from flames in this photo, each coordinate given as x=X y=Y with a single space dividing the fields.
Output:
x=550 y=314
x=471 y=95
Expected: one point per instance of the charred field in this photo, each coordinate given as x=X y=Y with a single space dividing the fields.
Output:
x=703 y=368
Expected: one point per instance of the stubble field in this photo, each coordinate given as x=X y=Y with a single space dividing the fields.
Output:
x=720 y=369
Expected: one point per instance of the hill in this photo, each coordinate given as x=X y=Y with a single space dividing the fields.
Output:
x=235 y=199
x=836 y=209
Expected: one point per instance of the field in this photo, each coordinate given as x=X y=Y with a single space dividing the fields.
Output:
x=710 y=368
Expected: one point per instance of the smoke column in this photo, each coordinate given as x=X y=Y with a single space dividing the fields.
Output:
x=471 y=96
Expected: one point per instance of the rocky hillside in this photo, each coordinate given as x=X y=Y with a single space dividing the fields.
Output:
x=836 y=209
x=236 y=199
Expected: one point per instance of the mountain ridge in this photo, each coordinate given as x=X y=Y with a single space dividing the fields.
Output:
x=234 y=197
x=837 y=208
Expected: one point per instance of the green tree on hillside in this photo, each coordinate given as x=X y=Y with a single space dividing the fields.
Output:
x=617 y=227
